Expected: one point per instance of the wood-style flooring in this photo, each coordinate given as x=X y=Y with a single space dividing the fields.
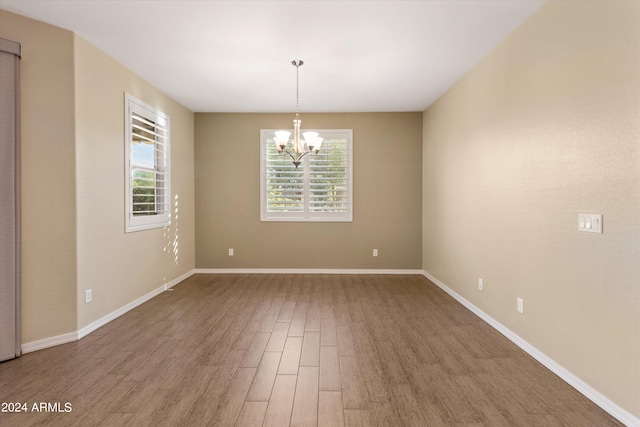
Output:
x=300 y=350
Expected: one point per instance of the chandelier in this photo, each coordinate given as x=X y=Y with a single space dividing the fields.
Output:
x=310 y=143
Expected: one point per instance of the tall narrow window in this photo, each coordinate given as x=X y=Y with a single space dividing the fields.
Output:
x=320 y=189
x=147 y=145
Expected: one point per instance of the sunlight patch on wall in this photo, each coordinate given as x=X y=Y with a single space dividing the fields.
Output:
x=171 y=234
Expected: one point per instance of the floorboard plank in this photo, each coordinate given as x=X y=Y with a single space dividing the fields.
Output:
x=330 y=413
x=230 y=407
x=290 y=356
x=329 y=369
x=310 y=349
x=305 y=404
x=281 y=402
x=260 y=390
x=252 y=414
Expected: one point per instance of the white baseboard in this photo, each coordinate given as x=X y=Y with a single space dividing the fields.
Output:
x=49 y=342
x=303 y=271
x=74 y=336
x=122 y=310
x=614 y=410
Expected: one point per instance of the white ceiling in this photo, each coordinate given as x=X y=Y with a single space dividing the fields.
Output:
x=235 y=56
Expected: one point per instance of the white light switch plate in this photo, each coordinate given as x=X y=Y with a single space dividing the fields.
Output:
x=590 y=223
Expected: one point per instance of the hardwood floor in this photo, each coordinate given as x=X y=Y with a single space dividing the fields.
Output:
x=300 y=350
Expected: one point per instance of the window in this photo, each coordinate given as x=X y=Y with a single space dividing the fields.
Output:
x=147 y=166
x=319 y=190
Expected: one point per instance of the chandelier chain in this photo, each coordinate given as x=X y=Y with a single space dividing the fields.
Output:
x=297 y=89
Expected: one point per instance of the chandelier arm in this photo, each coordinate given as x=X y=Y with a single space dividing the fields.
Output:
x=290 y=155
x=303 y=155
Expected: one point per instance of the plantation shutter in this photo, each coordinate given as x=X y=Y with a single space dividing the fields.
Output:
x=285 y=185
x=148 y=167
x=328 y=180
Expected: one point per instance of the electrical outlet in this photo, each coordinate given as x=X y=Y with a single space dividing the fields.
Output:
x=88 y=296
x=480 y=284
x=230 y=251
x=375 y=252
x=520 y=306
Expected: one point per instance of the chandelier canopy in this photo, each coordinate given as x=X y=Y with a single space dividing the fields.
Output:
x=299 y=148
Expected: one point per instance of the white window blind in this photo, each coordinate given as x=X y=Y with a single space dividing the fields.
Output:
x=319 y=190
x=147 y=158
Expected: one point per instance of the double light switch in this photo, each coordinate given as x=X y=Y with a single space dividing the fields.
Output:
x=590 y=223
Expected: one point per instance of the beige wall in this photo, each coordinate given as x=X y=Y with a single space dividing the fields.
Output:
x=120 y=267
x=546 y=127
x=387 y=194
x=73 y=184
x=48 y=176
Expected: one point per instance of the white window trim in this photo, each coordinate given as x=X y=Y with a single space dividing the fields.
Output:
x=138 y=223
x=317 y=216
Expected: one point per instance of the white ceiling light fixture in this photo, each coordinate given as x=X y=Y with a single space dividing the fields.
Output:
x=299 y=148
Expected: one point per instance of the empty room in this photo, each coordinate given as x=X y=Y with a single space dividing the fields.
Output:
x=320 y=213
